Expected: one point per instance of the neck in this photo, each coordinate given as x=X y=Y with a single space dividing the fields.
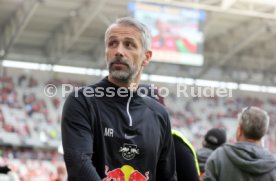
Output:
x=243 y=139
x=132 y=85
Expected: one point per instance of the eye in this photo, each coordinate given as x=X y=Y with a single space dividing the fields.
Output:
x=112 y=44
x=129 y=44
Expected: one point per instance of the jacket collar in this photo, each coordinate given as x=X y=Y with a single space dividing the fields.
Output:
x=111 y=90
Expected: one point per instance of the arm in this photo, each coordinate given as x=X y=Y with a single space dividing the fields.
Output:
x=185 y=162
x=77 y=139
x=166 y=163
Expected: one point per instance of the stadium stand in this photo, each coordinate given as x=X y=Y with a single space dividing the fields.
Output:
x=30 y=122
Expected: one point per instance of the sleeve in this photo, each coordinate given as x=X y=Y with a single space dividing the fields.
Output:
x=185 y=162
x=77 y=139
x=166 y=169
x=210 y=172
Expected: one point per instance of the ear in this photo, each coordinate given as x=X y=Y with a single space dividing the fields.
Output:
x=148 y=56
x=238 y=132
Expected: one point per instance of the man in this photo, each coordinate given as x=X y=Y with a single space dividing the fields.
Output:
x=113 y=133
x=187 y=167
x=213 y=139
x=246 y=160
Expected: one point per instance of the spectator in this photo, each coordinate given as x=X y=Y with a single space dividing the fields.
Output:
x=187 y=167
x=7 y=174
x=245 y=160
x=213 y=139
x=61 y=173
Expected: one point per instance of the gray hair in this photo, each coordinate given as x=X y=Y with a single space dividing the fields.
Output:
x=128 y=21
x=254 y=122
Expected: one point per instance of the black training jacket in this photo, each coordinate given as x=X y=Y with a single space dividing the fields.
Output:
x=126 y=137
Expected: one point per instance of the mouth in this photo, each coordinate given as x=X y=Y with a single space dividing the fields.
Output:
x=118 y=64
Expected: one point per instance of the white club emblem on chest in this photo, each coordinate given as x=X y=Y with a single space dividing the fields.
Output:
x=129 y=151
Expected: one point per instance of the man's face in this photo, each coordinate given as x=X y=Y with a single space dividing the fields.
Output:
x=124 y=53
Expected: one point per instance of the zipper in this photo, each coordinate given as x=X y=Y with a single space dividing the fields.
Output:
x=127 y=109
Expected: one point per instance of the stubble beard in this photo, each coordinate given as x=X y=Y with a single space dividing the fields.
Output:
x=123 y=75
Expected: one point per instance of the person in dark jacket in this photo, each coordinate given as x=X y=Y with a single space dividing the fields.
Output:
x=109 y=131
x=187 y=167
x=246 y=160
x=213 y=139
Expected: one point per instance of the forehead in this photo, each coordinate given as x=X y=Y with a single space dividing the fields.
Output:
x=121 y=31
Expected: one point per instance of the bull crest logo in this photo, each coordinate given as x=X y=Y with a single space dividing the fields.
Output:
x=129 y=151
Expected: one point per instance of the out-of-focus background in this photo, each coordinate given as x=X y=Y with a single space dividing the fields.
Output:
x=226 y=44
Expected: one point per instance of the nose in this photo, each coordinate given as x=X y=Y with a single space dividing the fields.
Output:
x=119 y=51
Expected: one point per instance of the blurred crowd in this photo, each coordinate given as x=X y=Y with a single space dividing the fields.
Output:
x=31 y=117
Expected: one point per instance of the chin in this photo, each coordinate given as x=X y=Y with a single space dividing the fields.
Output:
x=120 y=75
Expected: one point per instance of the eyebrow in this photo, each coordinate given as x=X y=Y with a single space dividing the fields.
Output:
x=127 y=38
x=130 y=39
x=111 y=38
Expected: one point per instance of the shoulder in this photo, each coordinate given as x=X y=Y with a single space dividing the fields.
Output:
x=181 y=146
x=218 y=154
x=84 y=92
x=80 y=98
x=204 y=151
